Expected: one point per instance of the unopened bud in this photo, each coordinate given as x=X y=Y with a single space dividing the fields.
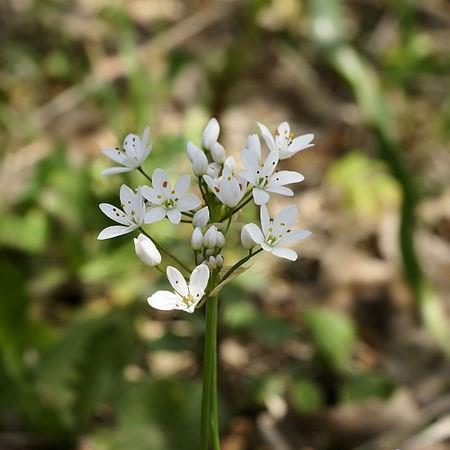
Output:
x=210 y=133
x=220 y=240
x=197 y=239
x=210 y=237
x=201 y=218
x=218 y=153
x=246 y=239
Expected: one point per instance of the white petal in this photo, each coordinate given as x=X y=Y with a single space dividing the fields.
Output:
x=152 y=195
x=255 y=233
x=182 y=185
x=201 y=218
x=301 y=142
x=218 y=153
x=165 y=301
x=251 y=161
x=161 y=182
x=294 y=236
x=265 y=219
x=188 y=202
x=127 y=199
x=267 y=136
x=114 y=170
x=284 y=130
x=210 y=133
x=270 y=164
x=115 y=155
x=174 y=216
x=177 y=281
x=254 y=144
x=114 y=213
x=286 y=253
x=145 y=136
x=260 y=196
x=286 y=177
x=246 y=239
x=192 y=151
x=284 y=219
x=266 y=247
x=198 y=282
x=155 y=214
x=131 y=145
x=280 y=190
x=114 y=231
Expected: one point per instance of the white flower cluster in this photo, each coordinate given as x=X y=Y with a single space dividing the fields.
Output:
x=224 y=192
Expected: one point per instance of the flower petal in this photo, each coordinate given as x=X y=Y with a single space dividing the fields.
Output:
x=294 y=236
x=114 y=170
x=286 y=253
x=114 y=213
x=188 y=202
x=255 y=233
x=177 y=281
x=127 y=199
x=115 y=155
x=260 y=196
x=301 y=143
x=161 y=182
x=114 y=231
x=198 y=282
x=174 y=216
x=182 y=185
x=286 y=177
x=265 y=219
x=165 y=301
x=251 y=161
x=280 y=190
x=284 y=219
x=267 y=136
x=151 y=195
x=131 y=144
x=254 y=144
x=270 y=164
x=155 y=214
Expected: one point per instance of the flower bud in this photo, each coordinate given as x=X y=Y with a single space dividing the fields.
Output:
x=146 y=250
x=230 y=163
x=220 y=240
x=197 y=239
x=210 y=133
x=200 y=259
x=212 y=262
x=246 y=239
x=219 y=261
x=210 y=237
x=210 y=251
x=201 y=218
x=213 y=170
x=218 y=153
x=198 y=159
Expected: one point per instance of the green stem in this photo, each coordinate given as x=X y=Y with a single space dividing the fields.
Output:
x=164 y=250
x=239 y=264
x=140 y=169
x=209 y=417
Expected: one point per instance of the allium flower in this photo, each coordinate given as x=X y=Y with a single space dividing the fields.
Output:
x=165 y=201
x=227 y=188
x=186 y=296
x=284 y=142
x=131 y=218
x=262 y=175
x=198 y=159
x=197 y=239
x=135 y=151
x=210 y=133
x=277 y=232
x=146 y=250
x=201 y=218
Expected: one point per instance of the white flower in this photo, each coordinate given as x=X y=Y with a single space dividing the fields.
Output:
x=186 y=296
x=146 y=250
x=210 y=133
x=198 y=159
x=227 y=188
x=197 y=239
x=210 y=237
x=262 y=175
x=246 y=239
x=166 y=201
x=284 y=141
x=131 y=218
x=201 y=218
x=277 y=232
x=135 y=151
x=218 y=153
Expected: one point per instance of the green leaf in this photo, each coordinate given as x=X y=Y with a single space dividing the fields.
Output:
x=306 y=396
x=333 y=335
x=363 y=386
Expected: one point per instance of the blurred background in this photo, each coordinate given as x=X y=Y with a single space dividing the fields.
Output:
x=344 y=349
